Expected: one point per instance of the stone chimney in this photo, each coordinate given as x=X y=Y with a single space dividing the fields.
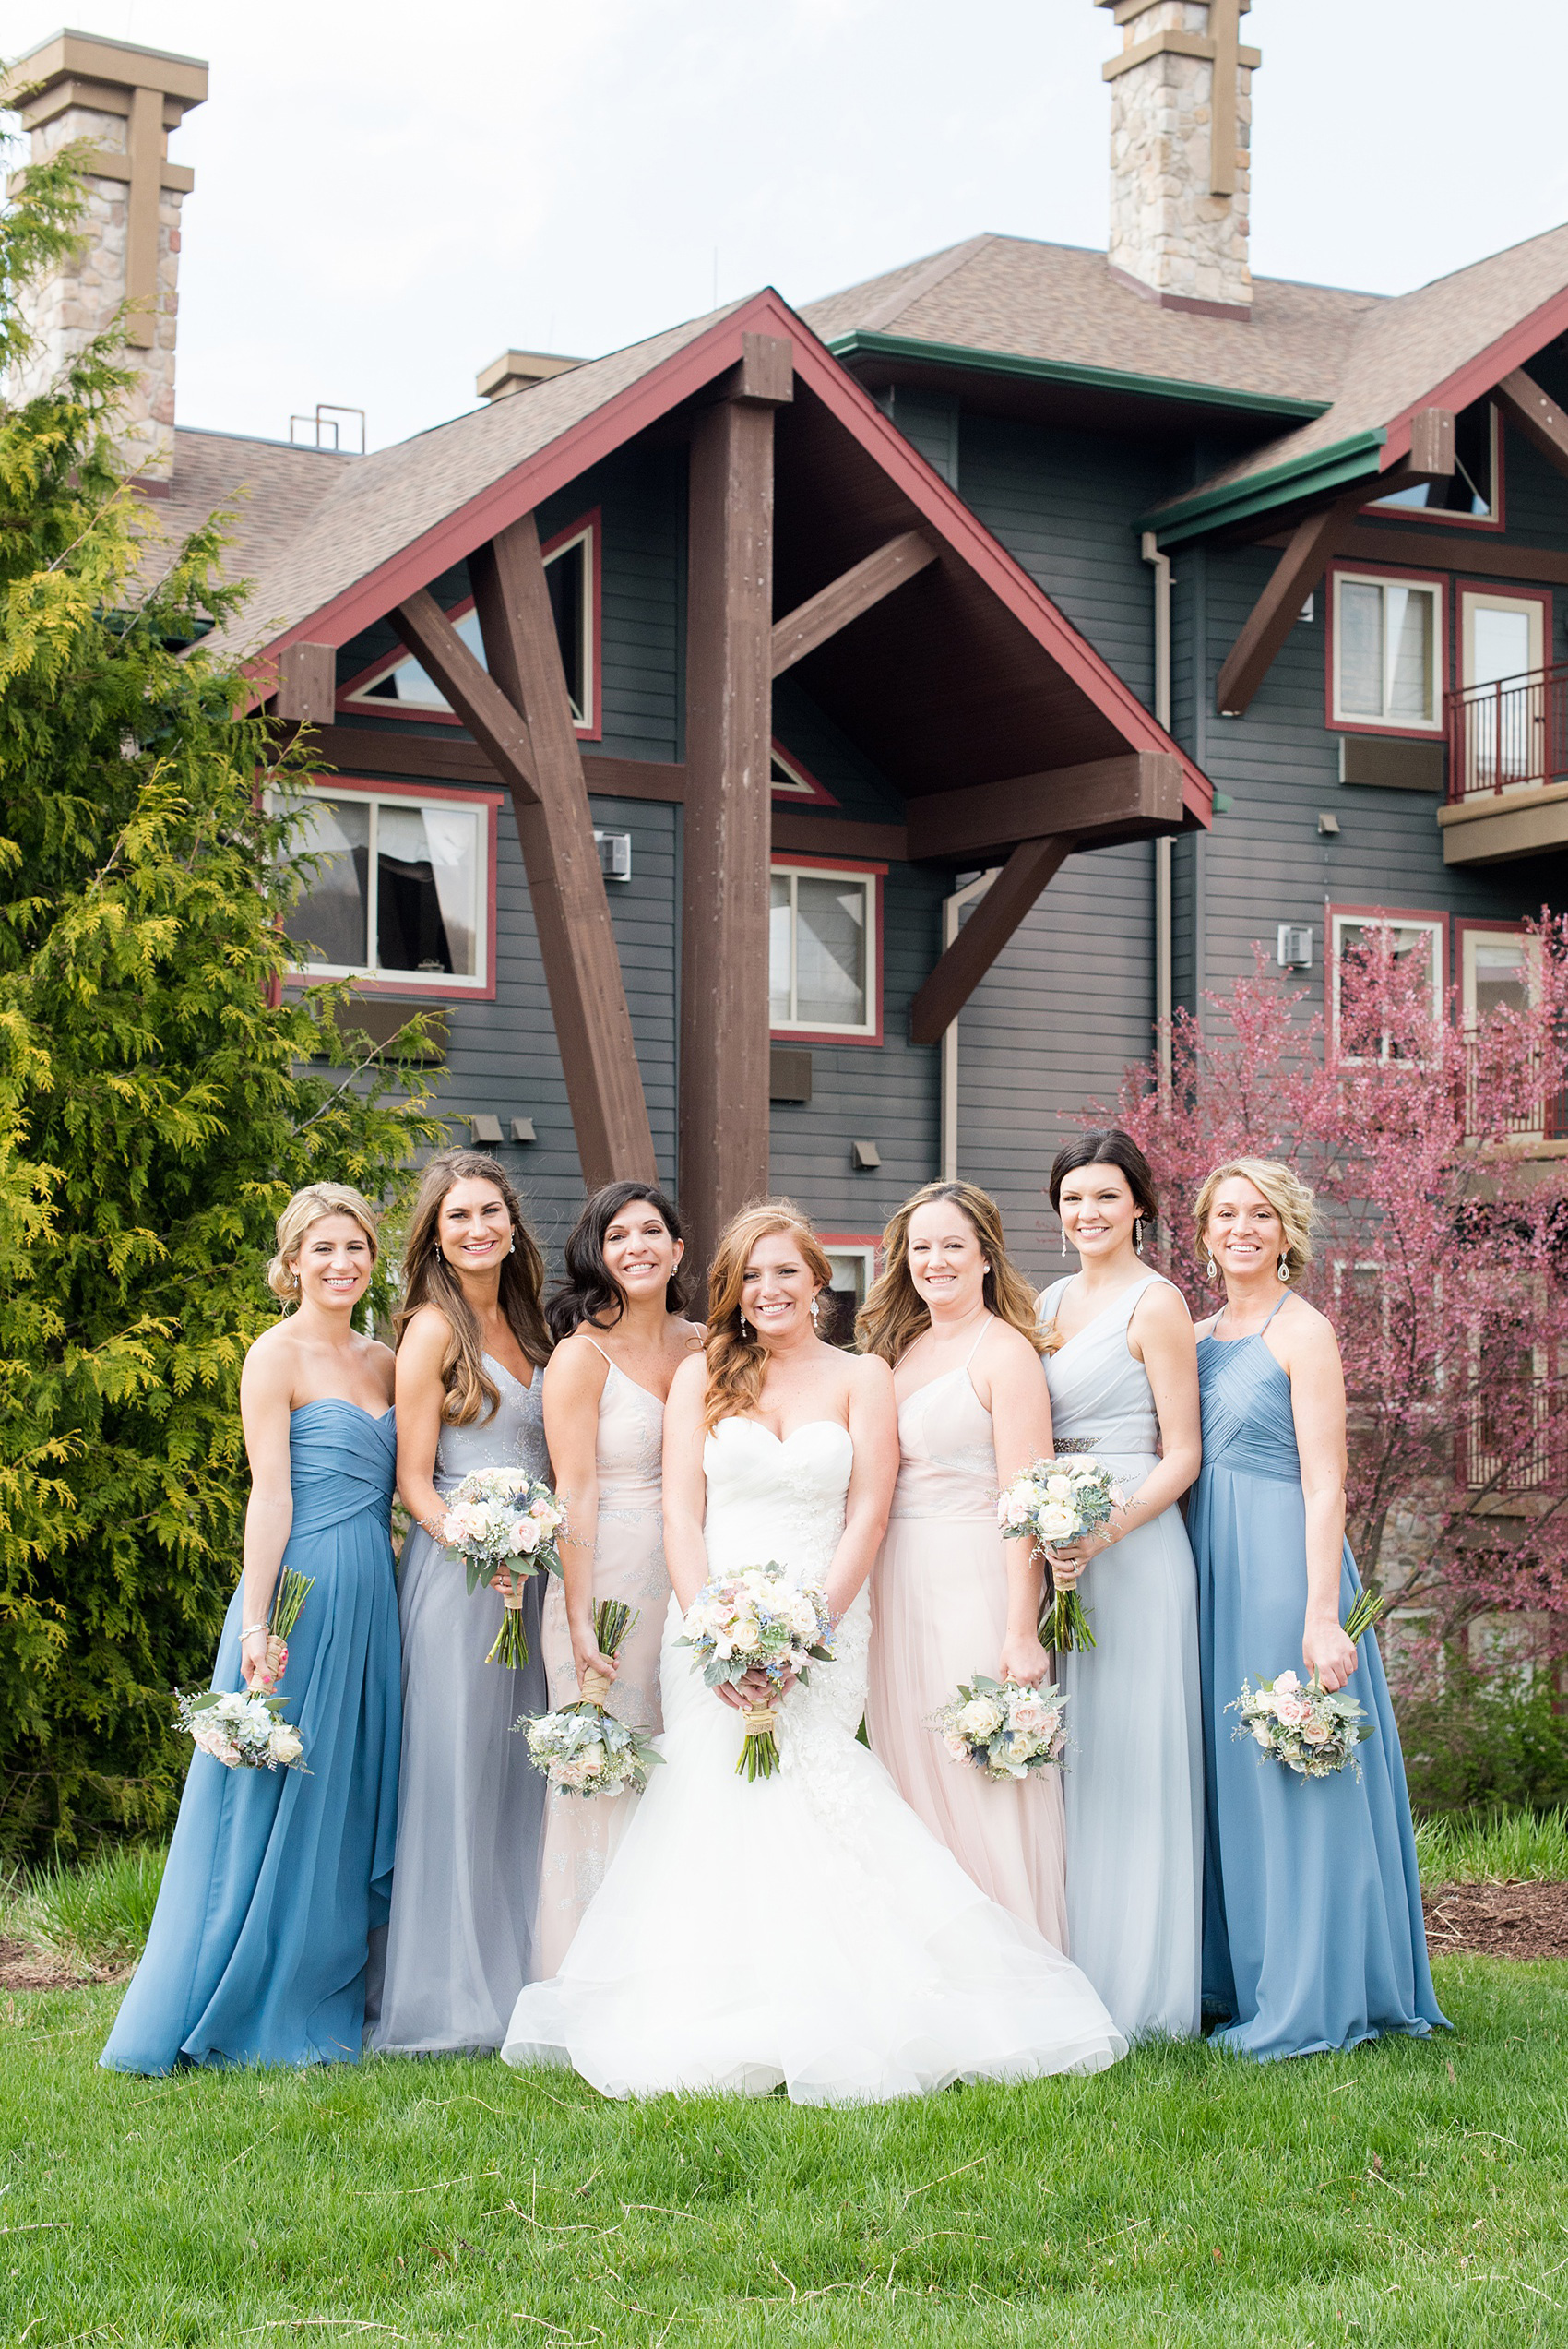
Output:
x=124 y=100
x=1180 y=124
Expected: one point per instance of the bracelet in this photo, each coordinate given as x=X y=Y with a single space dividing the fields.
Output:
x=250 y=1630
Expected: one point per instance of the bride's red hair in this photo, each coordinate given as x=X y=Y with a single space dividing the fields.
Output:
x=737 y=1363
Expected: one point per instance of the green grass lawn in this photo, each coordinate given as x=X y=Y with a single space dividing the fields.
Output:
x=1408 y=2192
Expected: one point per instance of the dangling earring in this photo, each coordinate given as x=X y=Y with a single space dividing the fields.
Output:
x=1063 y=1243
x=746 y=1327
x=813 y=1312
x=1213 y=1269
x=513 y=1249
x=1137 y=1234
x=1284 y=1268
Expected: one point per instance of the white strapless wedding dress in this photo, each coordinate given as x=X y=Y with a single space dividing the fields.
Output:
x=805 y=1928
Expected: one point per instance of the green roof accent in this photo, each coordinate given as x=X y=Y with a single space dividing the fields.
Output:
x=856 y=344
x=1335 y=467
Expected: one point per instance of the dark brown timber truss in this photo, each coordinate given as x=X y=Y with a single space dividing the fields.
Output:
x=1534 y=413
x=1011 y=896
x=833 y=607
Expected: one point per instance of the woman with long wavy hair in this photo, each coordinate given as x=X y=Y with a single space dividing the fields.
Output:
x=620 y=1331
x=955 y=1321
x=472 y=1342
x=805 y=1928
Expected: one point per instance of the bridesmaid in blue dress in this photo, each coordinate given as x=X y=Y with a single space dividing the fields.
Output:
x=275 y=1879
x=1313 y=1930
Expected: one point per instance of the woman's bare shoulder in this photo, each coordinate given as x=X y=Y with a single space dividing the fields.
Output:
x=868 y=1375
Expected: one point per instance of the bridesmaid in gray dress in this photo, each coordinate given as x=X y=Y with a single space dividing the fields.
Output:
x=1122 y=1365
x=471 y=1346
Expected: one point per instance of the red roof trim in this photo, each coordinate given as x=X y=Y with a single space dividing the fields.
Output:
x=665 y=385
x=1478 y=375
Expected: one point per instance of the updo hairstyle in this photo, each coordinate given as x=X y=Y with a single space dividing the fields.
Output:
x=1290 y=1198
x=308 y=1207
x=1107 y=1146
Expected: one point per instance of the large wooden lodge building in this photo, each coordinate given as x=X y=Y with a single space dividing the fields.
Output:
x=809 y=749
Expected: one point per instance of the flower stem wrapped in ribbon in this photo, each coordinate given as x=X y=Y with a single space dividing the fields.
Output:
x=1299 y=1724
x=1053 y=1502
x=289 y=1596
x=1003 y=1728
x=583 y=1750
x=500 y=1521
x=757 y=1621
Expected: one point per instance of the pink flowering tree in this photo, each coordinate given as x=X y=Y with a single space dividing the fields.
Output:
x=1430 y=1140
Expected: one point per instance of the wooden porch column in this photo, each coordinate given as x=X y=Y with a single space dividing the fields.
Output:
x=725 y=885
x=577 y=944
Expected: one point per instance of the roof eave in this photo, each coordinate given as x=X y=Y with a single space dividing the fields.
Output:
x=1318 y=473
x=975 y=360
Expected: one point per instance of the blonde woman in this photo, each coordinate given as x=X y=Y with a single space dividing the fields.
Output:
x=1312 y=1929
x=472 y=1345
x=955 y=1323
x=276 y=1880
x=804 y=1930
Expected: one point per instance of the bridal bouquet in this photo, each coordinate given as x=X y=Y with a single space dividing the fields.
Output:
x=1003 y=1728
x=243 y=1730
x=757 y=1621
x=1057 y=1501
x=583 y=1750
x=501 y=1520
x=1299 y=1724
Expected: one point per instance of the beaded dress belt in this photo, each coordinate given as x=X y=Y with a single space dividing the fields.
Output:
x=1074 y=1444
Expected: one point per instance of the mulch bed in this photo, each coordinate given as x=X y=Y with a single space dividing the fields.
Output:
x=1498 y=1920
x=23 y=1967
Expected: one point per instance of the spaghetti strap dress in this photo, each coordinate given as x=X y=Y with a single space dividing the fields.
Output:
x=275 y=1879
x=938 y=1616
x=471 y=1810
x=1312 y=1929
x=581 y=1836
x=1135 y=1788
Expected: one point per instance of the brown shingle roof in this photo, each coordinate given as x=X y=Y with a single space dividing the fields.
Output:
x=272 y=488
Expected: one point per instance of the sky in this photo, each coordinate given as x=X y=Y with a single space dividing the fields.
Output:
x=388 y=196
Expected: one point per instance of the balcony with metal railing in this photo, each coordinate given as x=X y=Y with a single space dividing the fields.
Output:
x=1507 y=768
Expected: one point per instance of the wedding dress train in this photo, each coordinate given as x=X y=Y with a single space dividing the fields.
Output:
x=804 y=1930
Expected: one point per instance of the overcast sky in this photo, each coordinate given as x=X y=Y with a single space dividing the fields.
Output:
x=388 y=195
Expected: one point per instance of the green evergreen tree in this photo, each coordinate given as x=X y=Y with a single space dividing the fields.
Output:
x=156 y=1102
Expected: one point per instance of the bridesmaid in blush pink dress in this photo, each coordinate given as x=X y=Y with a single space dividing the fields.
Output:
x=621 y=1338
x=949 y=1597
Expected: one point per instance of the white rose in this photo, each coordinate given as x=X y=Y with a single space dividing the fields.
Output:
x=284 y=1743
x=525 y=1534
x=978 y=1719
x=1059 y=1486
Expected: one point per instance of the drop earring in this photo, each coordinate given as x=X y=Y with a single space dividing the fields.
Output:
x=1213 y=1271
x=1284 y=1268
x=1063 y=1243
x=815 y=1308
x=1137 y=1235
x=513 y=1249
x=746 y=1327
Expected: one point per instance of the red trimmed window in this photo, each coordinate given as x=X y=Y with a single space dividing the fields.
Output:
x=1419 y=936
x=399 y=687
x=1387 y=651
x=824 y=951
x=791 y=781
x=401 y=892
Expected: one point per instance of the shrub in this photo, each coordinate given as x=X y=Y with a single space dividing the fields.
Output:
x=1483 y=1743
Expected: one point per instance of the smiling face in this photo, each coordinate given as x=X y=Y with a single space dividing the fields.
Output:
x=776 y=1289
x=638 y=1251
x=947 y=1264
x=335 y=1262
x=1244 y=1234
x=473 y=1229
x=1098 y=1211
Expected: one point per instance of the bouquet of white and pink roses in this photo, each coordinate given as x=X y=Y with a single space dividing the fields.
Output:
x=1055 y=1502
x=757 y=1621
x=583 y=1750
x=1299 y=1722
x=242 y=1729
x=1003 y=1728
x=501 y=1520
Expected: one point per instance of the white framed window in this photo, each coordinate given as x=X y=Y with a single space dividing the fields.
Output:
x=1473 y=492
x=853 y=1257
x=824 y=950
x=1387 y=652
x=1418 y=939
x=1496 y=971
x=399 y=890
x=399 y=686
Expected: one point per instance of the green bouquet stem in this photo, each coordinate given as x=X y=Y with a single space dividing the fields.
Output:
x=1064 y=1625
x=1363 y=1614
x=511 y=1642
x=759 y=1753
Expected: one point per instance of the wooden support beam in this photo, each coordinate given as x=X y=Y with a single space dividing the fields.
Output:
x=725 y=875
x=1141 y=789
x=1432 y=437
x=1434 y=549
x=844 y=599
x=307 y=685
x=577 y=942
x=1535 y=414
x=801 y=831
x=498 y=728
x=1011 y=896
x=1278 y=608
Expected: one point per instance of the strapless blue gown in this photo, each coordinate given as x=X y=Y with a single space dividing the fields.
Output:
x=277 y=1878
x=1313 y=1930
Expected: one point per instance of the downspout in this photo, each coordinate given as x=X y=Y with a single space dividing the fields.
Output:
x=951 y=909
x=1163 y=1005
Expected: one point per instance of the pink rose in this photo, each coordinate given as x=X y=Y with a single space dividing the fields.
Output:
x=1318 y=1732
x=1029 y=1718
x=1293 y=1711
x=956 y=1747
x=1285 y=1683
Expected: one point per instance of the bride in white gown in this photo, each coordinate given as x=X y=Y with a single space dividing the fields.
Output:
x=806 y=1928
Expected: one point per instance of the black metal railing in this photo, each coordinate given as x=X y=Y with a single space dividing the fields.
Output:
x=1508 y=734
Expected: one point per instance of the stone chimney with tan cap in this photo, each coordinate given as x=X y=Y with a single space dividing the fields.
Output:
x=1181 y=125
x=123 y=102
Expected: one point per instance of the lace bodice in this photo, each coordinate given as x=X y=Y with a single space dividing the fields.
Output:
x=782 y=1500
x=513 y=1432
x=946 y=1452
x=1100 y=1397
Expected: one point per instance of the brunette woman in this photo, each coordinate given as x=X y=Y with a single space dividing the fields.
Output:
x=949 y=1596
x=622 y=1334
x=1313 y=1930
x=277 y=1878
x=1125 y=1386
x=471 y=1346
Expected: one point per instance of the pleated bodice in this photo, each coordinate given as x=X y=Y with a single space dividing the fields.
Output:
x=342 y=1459
x=1248 y=1424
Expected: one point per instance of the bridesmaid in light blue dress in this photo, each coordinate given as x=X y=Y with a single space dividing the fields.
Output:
x=276 y=1878
x=1312 y=1929
x=472 y=1343
x=1124 y=1386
